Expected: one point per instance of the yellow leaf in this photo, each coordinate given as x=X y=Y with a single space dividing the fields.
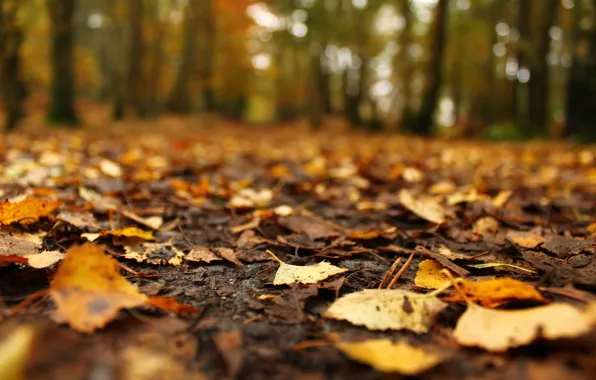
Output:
x=501 y=198
x=486 y=226
x=527 y=240
x=592 y=229
x=14 y=351
x=384 y=309
x=110 y=168
x=89 y=290
x=430 y=275
x=499 y=330
x=387 y=356
x=26 y=211
x=129 y=232
x=44 y=259
x=493 y=293
x=425 y=207
x=155 y=253
x=289 y=274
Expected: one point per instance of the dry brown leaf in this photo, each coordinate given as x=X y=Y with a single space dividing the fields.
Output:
x=89 y=290
x=499 y=330
x=201 y=254
x=99 y=202
x=528 y=240
x=110 y=168
x=14 y=352
x=16 y=245
x=384 y=309
x=155 y=253
x=153 y=222
x=430 y=275
x=81 y=220
x=289 y=274
x=229 y=344
x=312 y=226
x=44 y=259
x=493 y=293
x=26 y=211
x=425 y=207
x=229 y=254
x=501 y=198
x=387 y=356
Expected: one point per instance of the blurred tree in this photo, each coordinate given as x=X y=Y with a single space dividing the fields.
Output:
x=207 y=36
x=422 y=122
x=137 y=49
x=12 y=88
x=180 y=99
x=581 y=88
x=404 y=62
x=62 y=92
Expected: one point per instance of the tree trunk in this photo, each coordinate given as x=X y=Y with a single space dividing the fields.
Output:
x=62 y=92
x=180 y=98
x=523 y=25
x=538 y=109
x=581 y=88
x=137 y=52
x=13 y=91
x=405 y=64
x=424 y=119
x=207 y=48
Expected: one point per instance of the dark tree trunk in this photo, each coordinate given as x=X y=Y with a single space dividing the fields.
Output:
x=538 y=108
x=12 y=89
x=135 y=64
x=521 y=102
x=581 y=88
x=180 y=98
x=207 y=47
x=424 y=119
x=315 y=102
x=62 y=92
x=405 y=63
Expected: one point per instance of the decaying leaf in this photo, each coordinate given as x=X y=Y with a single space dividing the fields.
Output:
x=155 y=253
x=423 y=206
x=486 y=226
x=314 y=227
x=17 y=245
x=493 y=293
x=81 y=220
x=384 y=309
x=527 y=240
x=99 y=202
x=14 y=351
x=88 y=289
x=44 y=259
x=430 y=275
x=311 y=274
x=387 y=356
x=502 y=266
x=201 y=254
x=499 y=330
x=228 y=254
x=565 y=247
x=501 y=198
x=26 y=211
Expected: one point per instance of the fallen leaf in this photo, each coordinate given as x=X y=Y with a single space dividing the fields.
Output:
x=501 y=198
x=26 y=211
x=528 y=240
x=14 y=353
x=99 y=202
x=89 y=290
x=425 y=207
x=16 y=246
x=387 y=356
x=153 y=222
x=44 y=259
x=384 y=309
x=311 y=274
x=110 y=168
x=565 y=247
x=430 y=275
x=229 y=344
x=249 y=198
x=154 y=253
x=229 y=254
x=591 y=229
x=493 y=293
x=315 y=228
x=501 y=266
x=170 y=304
x=201 y=254
x=486 y=226
x=499 y=330
x=81 y=220
x=129 y=232
x=91 y=236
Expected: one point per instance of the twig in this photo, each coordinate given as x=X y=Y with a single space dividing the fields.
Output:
x=389 y=273
x=401 y=271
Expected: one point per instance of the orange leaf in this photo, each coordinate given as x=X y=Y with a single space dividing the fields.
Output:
x=130 y=232
x=89 y=290
x=26 y=211
x=170 y=304
x=493 y=293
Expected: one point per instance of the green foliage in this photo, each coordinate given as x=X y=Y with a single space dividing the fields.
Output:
x=505 y=131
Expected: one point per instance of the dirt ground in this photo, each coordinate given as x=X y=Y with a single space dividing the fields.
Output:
x=524 y=210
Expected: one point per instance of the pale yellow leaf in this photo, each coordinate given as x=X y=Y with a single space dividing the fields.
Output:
x=425 y=207
x=311 y=274
x=499 y=330
x=14 y=350
x=44 y=259
x=387 y=356
x=384 y=309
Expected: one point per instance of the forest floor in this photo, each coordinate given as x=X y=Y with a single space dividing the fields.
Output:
x=196 y=212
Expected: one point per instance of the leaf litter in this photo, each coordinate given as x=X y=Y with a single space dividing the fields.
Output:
x=202 y=211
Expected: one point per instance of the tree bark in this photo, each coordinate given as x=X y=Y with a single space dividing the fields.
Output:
x=405 y=63
x=581 y=88
x=137 y=52
x=62 y=92
x=207 y=48
x=180 y=98
x=538 y=108
x=424 y=119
